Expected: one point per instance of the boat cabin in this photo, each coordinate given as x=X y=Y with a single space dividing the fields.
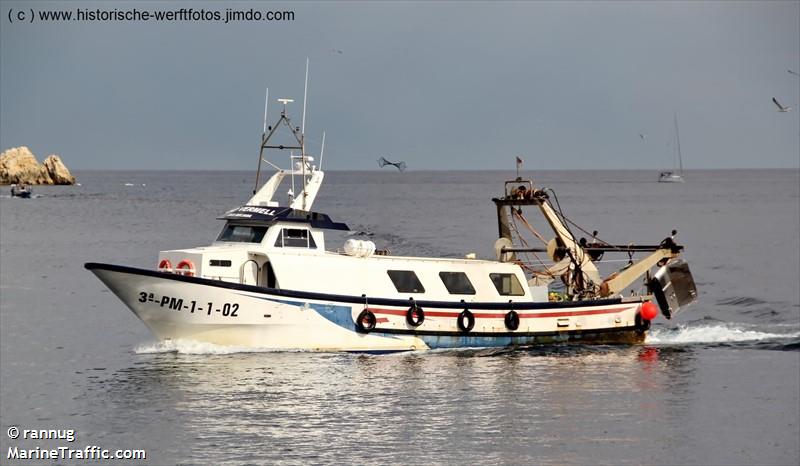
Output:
x=280 y=247
x=266 y=245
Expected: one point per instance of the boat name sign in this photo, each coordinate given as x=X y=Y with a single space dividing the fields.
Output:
x=247 y=211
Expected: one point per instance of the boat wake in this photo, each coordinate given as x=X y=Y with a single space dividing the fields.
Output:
x=726 y=334
x=9 y=196
x=786 y=338
x=194 y=347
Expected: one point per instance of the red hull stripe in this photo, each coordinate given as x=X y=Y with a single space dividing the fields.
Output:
x=500 y=315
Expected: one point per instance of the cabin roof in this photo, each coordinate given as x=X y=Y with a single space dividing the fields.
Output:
x=270 y=215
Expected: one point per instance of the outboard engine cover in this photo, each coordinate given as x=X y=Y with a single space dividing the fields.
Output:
x=673 y=287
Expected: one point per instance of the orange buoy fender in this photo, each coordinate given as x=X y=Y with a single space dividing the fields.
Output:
x=165 y=265
x=649 y=311
x=185 y=267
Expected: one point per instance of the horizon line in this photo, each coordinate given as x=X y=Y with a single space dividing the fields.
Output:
x=444 y=169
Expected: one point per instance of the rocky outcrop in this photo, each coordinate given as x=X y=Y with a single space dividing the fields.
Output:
x=57 y=171
x=19 y=165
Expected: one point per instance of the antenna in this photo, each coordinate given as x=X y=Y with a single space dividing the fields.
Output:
x=305 y=95
x=266 y=100
x=291 y=159
x=322 y=151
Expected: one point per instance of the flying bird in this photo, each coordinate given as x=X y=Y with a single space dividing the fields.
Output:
x=642 y=136
x=781 y=108
x=336 y=51
x=382 y=162
x=792 y=72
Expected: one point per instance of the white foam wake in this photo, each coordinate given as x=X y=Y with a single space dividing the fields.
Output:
x=718 y=333
x=194 y=347
x=682 y=334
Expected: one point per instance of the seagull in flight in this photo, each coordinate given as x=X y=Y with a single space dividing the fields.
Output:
x=781 y=108
x=642 y=136
x=792 y=72
x=382 y=162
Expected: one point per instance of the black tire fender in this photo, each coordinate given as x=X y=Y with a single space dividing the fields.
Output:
x=415 y=316
x=366 y=320
x=467 y=315
x=512 y=320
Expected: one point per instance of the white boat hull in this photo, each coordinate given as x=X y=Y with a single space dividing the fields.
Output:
x=180 y=307
x=670 y=179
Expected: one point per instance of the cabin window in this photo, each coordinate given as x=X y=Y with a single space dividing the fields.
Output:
x=507 y=284
x=406 y=281
x=242 y=234
x=219 y=263
x=457 y=283
x=295 y=238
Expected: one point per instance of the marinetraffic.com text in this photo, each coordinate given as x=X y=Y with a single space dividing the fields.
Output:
x=60 y=453
x=228 y=15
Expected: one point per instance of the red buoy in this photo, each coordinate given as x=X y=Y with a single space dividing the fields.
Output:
x=649 y=311
x=165 y=265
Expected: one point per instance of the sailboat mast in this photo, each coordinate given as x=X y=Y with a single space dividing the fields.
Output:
x=678 y=138
x=303 y=135
x=322 y=151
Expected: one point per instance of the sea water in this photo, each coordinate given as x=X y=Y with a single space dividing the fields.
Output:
x=719 y=384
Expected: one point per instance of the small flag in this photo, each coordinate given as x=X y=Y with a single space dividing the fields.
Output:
x=519 y=161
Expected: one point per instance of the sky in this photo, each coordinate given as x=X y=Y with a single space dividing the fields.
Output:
x=447 y=85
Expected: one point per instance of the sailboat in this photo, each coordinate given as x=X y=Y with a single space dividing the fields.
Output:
x=671 y=176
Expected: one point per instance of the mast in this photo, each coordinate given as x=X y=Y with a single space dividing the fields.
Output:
x=303 y=136
x=263 y=140
x=266 y=101
x=305 y=95
x=322 y=151
x=678 y=139
x=311 y=177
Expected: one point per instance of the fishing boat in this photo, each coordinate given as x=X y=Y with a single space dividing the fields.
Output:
x=270 y=280
x=671 y=176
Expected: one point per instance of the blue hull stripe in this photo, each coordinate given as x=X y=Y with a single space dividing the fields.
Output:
x=339 y=315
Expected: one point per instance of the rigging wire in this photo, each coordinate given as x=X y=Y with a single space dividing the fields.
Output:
x=530 y=227
x=537 y=272
x=522 y=240
x=584 y=276
x=567 y=221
